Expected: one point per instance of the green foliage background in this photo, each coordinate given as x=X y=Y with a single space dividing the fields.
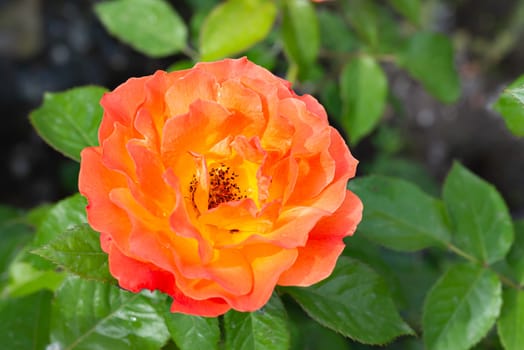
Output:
x=440 y=271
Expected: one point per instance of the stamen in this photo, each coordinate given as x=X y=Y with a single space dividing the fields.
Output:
x=222 y=187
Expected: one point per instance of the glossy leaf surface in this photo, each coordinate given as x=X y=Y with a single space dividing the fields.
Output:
x=428 y=57
x=264 y=329
x=192 y=332
x=399 y=215
x=94 y=315
x=234 y=26
x=363 y=90
x=482 y=223
x=511 y=106
x=69 y=120
x=511 y=321
x=461 y=308
x=78 y=251
x=152 y=27
x=353 y=301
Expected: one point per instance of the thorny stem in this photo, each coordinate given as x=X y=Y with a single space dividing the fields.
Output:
x=504 y=279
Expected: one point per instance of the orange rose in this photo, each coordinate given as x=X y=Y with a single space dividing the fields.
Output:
x=217 y=183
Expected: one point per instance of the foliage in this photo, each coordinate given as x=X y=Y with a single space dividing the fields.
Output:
x=437 y=271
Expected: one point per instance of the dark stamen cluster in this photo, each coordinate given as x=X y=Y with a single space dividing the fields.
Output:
x=222 y=186
x=192 y=189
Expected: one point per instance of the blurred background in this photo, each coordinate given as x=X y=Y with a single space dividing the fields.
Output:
x=53 y=45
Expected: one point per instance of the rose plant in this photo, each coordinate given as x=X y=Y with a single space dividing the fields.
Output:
x=218 y=209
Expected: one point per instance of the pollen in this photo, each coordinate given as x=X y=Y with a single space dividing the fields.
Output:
x=223 y=186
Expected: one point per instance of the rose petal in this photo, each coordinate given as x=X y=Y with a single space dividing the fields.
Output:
x=194 y=86
x=95 y=182
x=135 y=275
x=207 y=308
x=317 y=259
x=120 y=105
x=267 y=262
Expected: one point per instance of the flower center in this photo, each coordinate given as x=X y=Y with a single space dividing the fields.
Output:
x=223 y=186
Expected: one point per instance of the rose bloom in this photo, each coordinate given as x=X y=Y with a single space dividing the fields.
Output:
x=215 y=184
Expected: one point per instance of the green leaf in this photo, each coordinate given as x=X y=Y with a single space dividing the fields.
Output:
x=483 y=226
x=13 y=237
x=24 y=279
x=192 y=332
x=50 y=224
x=364 y=18
x=310 y=335
x=25 y=322
x=408 y=8
x=353 y=301
x=334 y=33
x=234 y=26
x=461 y=308
x=514 y=258
x=399 y=215
x=363 y=90
x=404 y=168
x=428 y=57
x=511 y=105
x=38 y=214
x=413 y=275
x=300 y=32
x=92 y=315
x=64 y=215
x=262 y=329
x=152 y=27
x=69 y=120
x=78 y=251
x=511 y=321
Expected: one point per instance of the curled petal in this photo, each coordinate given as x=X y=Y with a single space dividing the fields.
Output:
x=317 y=259
x=135 y=275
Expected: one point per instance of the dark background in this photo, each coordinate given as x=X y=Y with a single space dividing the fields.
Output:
x=48 y=45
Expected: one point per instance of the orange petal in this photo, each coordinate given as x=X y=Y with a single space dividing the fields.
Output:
x=313 y=105
x=283 y=173
x=197 y=131
x=238 y=68
x=135 y=275
x=212 y=307
x=95 y=182
x=278 y=134
x=228 y=275
x=114 y=152
x=310 y=129
x=293 y=226
x=120 y=105
x=195 y=85
x=235 y=97
x=150 y=237
x=315 y=172
x=317 y=259
x=149 y=187
x=182 y=224
x=267 y=262
x=346 y=164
